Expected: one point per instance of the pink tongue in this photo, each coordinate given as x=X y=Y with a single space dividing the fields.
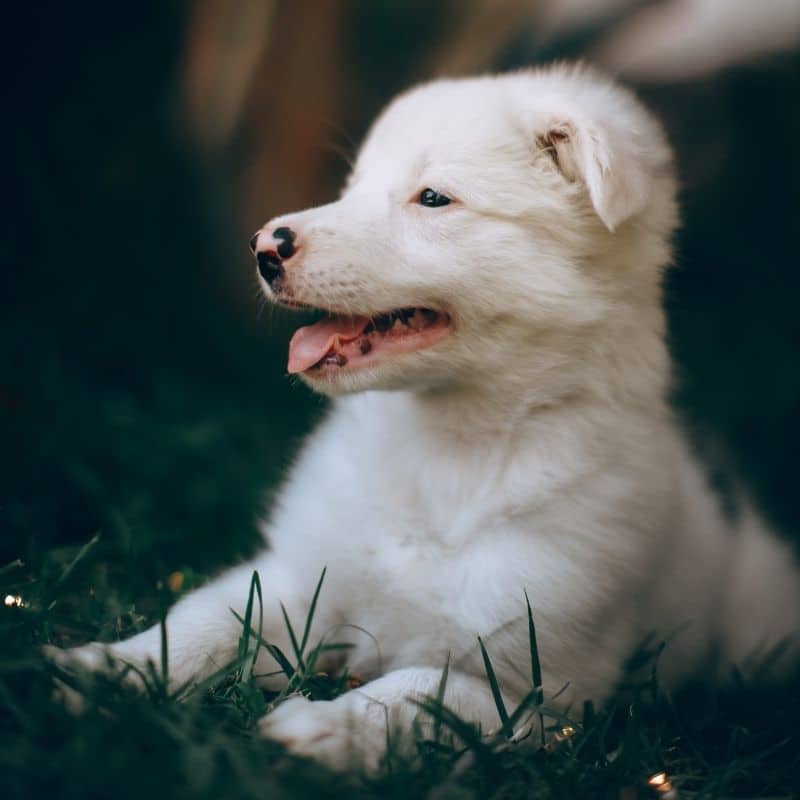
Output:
x=313 y=342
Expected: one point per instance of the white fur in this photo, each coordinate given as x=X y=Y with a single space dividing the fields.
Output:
x=531 y=450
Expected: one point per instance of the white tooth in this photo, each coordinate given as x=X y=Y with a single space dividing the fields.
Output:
x=397 y=324
x=416 y=321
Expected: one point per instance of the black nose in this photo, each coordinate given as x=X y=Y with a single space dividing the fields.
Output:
x=286 y=236
x=270 y=266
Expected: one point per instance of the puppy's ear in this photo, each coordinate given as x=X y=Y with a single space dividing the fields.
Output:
x=614 y=178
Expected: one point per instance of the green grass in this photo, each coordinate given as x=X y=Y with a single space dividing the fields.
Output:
x=199 y=741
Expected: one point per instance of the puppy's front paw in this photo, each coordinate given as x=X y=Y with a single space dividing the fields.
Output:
x=75 y=661
x=91 y=657
x=78 y=668
x=349 y=732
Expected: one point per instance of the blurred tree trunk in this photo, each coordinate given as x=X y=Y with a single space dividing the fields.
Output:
x=483 y=28
x=267 y=86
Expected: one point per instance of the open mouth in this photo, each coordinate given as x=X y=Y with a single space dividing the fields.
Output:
x=338 y=341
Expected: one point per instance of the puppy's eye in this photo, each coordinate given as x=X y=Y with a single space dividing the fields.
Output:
x=427 y=197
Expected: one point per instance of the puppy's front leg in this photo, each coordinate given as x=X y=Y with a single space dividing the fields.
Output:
x=202 y=630
x=351 y=731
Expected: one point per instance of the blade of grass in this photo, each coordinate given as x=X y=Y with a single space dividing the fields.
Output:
x=273 y=650
x=536 y=666
x=298 y=653
x=244 y=639
x=333 y=646
x=561 y=691
x=312 y=609
x=82 y=553
x=151 y=679
x=529 y=701
x=255 y=586
x=164 y=653
x=278 y=655
x=495 y=687
x=190 y=689
x=466 y=731
x=321 y=647
x=437 y=722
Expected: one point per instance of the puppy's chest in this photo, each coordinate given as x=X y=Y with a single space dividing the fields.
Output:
x=402 y=531
x=404 y=591
x=418 y=505
x=409 y=509
x=413 y=547
x=404 y=549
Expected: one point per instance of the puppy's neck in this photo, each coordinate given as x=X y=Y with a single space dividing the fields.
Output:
x=618 y=373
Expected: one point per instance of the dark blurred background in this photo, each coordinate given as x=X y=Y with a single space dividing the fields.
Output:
x=142 y=384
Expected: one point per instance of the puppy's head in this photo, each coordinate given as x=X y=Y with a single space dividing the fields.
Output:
x=490 y=225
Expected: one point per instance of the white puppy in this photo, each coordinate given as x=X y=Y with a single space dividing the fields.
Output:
x=495 y=343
